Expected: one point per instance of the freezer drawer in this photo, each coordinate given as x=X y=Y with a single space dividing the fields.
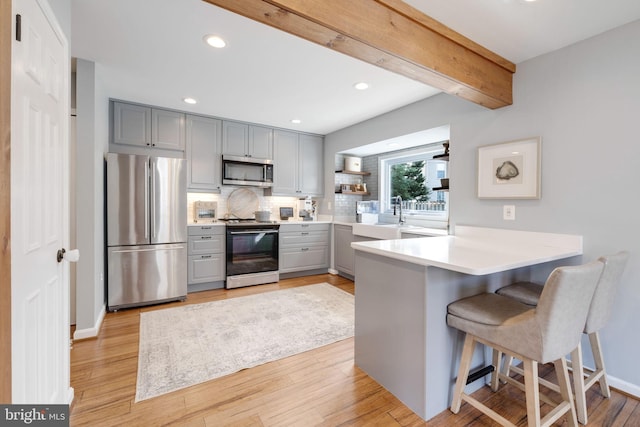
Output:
x=142 y=275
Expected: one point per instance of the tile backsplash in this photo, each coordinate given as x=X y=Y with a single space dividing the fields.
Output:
x=271 y=203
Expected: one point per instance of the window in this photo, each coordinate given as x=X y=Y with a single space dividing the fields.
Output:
x=413 y=175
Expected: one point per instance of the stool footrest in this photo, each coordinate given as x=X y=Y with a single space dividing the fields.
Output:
x=483 y=372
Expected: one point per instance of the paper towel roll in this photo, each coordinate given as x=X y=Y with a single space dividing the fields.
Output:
x=72 y=256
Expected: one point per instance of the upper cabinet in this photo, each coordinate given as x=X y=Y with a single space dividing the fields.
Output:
x=204 y=149
x=147 y=127
x=297 y=164
x=241 y=139
x=310 y=164
x=167 y=129
x=131 y=124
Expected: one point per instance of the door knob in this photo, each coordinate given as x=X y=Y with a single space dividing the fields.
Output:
x=71 y=256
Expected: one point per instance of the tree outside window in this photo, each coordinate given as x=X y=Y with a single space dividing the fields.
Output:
x=408 y=181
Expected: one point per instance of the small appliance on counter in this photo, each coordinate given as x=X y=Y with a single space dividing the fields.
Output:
x=286 y=213
x=204 y=212
x=306 y=209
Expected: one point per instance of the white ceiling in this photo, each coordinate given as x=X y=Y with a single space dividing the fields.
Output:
x=151 y=51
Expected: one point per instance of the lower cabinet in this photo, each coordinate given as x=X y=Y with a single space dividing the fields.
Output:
x=304 y=247
x=344 y=255
x=206 y=257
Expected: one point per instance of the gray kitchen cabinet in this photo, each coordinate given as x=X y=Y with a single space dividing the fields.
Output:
x=241 y=139
x=131 y=124
x=143 y=126
x=285 y=159
x=204 y=151
x=167 y=129
x=297 y=164
x=310 y=165
x=206 y=257
x=304 y=247
x=344 y=255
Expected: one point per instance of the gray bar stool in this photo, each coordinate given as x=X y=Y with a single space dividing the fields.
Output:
x=599 y=313
x=541 y=334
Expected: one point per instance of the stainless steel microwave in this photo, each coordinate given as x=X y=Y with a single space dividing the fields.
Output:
x=238 y=170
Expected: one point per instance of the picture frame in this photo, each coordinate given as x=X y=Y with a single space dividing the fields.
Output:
x=510 y=170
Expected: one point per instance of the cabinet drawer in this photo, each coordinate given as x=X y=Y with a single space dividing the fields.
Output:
x=206 y=268
x=304 y=238
x=287 y=228
x=304 y=258
x=202 y=245
x=205 y=230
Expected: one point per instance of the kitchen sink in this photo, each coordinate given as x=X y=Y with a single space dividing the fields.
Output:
x=382 y=231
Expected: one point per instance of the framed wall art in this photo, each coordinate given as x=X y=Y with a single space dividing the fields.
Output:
x=510 y=170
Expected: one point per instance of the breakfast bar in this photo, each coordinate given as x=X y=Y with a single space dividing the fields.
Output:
x=402 y=291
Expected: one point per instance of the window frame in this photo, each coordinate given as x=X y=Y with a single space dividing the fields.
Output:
x=426 y=153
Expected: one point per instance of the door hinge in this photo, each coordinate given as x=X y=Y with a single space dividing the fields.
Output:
x=19 y=28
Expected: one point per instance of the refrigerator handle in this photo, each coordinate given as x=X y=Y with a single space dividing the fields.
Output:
x=153 y=199
x=146 y=198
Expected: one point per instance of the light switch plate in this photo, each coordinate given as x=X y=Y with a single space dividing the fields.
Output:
x=509 y=212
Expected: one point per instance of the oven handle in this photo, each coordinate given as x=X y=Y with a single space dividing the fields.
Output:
x=254 y=232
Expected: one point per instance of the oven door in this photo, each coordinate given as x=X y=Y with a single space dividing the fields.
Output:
x=251 y=251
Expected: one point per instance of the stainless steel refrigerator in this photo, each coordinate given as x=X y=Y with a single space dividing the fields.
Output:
x=146 y=208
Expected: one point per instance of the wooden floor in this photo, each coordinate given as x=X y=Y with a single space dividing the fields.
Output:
x=321 y=387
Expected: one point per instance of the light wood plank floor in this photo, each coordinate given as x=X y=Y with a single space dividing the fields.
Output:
x=316 y=388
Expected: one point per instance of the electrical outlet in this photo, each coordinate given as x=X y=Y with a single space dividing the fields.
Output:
x=509 y=212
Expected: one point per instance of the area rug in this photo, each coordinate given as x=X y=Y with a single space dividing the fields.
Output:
x=184 y=346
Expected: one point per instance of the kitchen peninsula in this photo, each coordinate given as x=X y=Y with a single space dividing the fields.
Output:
x=402 y=291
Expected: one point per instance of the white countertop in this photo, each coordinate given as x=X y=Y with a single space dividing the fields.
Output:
x=478 y=251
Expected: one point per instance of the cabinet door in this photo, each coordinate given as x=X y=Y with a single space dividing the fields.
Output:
x=304 y=258
x=310 y=165
x=167 y=131
x=205 y=268
x=131 y=124
x=344 y=257
x=260 y=142
x=203 y=153
x=235 y=137
x=285 y=158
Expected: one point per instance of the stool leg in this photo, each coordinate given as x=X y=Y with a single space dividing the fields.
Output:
x=463 y=372
x=578 y=384
x=506 y=366
x=532 y=390
x=497 y=357
x=596 y=349
x=562 y=372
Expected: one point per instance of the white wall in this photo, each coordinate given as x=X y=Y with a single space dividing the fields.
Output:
x=92 y=137
x=584 y=101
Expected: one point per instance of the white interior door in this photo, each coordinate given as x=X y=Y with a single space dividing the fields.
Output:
x=39 y=207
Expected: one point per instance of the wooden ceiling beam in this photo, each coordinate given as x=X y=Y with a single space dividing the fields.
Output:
x=392 y=35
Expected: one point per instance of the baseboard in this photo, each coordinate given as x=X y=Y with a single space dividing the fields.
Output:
x=70 y=396
x=332 y=271
x=81 y=334
x=623 y=386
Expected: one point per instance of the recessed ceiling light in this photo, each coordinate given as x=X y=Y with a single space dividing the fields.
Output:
x=215 y=41
x=361 y=86
x=296 y=121
x=189 y=100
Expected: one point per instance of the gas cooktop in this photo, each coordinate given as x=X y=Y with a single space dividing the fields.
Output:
x=248 y=222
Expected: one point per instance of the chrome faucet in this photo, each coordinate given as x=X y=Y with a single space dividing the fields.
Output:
x=399 y=202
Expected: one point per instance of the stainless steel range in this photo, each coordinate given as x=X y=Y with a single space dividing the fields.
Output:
x=252 y=253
